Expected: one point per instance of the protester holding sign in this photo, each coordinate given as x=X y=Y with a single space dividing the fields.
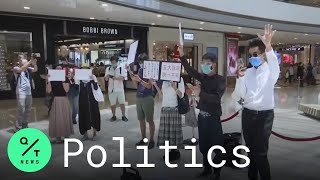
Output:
x=145 y=102
x=209 y=124
x=60 y=119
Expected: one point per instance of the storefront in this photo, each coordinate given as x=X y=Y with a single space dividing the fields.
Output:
x=55 y=41
x=162 y=41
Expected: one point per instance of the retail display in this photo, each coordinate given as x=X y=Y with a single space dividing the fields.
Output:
x=4 y=86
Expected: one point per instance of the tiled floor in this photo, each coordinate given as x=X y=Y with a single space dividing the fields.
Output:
x=289 y=160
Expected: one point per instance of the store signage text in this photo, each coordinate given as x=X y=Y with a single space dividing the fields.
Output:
x=188 y=36
x=97 y=30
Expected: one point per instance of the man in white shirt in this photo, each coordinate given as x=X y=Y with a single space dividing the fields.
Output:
x=255 y=87
x=23 y=90
x=115 y=76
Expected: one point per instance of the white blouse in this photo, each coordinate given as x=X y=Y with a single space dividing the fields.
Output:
x=169 y=95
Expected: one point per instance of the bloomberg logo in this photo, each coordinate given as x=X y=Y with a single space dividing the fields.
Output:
x=97 y=30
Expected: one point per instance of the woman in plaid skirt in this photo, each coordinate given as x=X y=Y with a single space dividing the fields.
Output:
x=170 y=120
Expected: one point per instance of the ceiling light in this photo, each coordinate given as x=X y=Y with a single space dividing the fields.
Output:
x=104 y=5
x=201 y=28
x=153 y=24
x=239 y=27
x=201 y=22
x=159 y=15
x=306 y=34
x=91 y=17
x=239 y=32
x=26 y=7
x=318 y=42
x=295 y=38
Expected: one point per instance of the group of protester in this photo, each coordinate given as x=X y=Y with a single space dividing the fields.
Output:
x=254 y=88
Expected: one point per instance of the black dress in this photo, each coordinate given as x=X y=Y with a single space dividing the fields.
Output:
x=89 y=113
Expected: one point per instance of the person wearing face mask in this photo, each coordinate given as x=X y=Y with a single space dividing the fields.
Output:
x=23 y=73
x=115 y=76
x=209 y=124
x=145 y=102
x=256 y=87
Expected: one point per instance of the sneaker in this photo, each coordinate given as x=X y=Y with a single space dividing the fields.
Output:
x=114 y=118
x=125 y=119
x=151 y=145
x=141 y=143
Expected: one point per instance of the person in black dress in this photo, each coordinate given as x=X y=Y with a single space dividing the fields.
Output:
x=89 y=113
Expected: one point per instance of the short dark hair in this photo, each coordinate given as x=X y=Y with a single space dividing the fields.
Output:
x=212 y=57
x=143 y=57
x=257 y=43
x=114 y=58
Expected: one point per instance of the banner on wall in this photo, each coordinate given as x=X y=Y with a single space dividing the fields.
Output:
x=232 y=56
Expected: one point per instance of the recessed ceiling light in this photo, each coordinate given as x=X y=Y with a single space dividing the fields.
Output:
x=153 y=24
x=239 y=32
x=26 y=7
x=104 y=5
x=201 y=28
x=201 y=22
x=295 y=38
x=91 y=17
x=239 y=27
x=159 y=15
x=306 y=34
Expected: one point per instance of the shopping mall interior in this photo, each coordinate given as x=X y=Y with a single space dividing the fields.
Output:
x=87 y=33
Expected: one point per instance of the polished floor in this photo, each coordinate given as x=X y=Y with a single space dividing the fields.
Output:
x=289 y=160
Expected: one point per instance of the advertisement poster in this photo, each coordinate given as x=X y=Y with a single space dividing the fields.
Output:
x=232 y=57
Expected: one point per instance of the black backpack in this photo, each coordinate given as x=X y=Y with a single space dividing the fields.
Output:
x=130 y=175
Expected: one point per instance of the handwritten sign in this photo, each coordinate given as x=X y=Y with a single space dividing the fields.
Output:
x=170 y=71
x=151 y=70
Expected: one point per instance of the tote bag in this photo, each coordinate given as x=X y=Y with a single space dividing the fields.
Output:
x=98 y=95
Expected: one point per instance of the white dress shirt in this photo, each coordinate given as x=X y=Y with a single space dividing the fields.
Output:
x=256 y=87
x=169 y=95
x=116 y=85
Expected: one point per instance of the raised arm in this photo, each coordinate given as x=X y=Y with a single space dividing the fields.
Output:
x=190 y=70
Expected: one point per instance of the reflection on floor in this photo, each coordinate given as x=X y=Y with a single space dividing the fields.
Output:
x=289 y=160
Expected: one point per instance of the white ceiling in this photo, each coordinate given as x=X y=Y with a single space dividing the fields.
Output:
x=86 y=9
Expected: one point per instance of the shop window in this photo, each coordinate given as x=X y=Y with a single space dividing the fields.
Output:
x=11 y=45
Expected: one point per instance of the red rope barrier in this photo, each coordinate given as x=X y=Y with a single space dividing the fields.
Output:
x=295 y=139
x=231 y=117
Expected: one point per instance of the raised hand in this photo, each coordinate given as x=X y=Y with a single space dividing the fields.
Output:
x=267 y=37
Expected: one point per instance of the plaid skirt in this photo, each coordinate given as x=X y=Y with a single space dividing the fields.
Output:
x=170 y=128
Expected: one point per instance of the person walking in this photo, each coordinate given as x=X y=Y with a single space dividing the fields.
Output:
x=209 y=124
x=115 y=76
x=89 y=113
x=23 y=73
x=255 y=87
x=145 y=102
x=60 y=119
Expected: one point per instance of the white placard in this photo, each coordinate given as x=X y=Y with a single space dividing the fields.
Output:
x=83 y=74
x=151 y=70
x=132 y=52
x=180 y=35
x=170 y=71
x=56 y=75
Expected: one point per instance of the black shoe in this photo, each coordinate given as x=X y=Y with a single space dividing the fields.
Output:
x=114 y=118
x=125 y=119
x=141 y=143
x=205 y=173
x=151 y=145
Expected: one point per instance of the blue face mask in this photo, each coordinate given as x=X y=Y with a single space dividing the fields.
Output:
x=255 y=61
x=206 y=68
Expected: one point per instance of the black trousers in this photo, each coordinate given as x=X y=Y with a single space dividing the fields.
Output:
x=210 y=134
x=257 y=127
